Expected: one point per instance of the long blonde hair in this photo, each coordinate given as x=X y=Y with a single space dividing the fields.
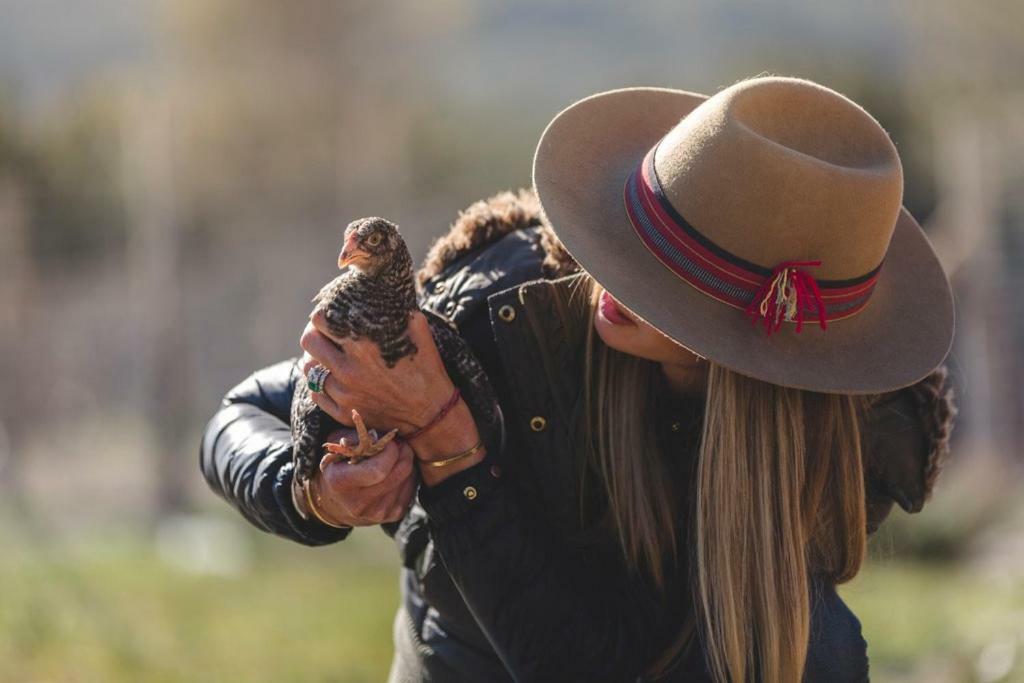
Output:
x=779 y=494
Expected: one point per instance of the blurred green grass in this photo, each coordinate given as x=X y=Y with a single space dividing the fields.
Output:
x=115 y=609
x=119 y=608
x=938 y=622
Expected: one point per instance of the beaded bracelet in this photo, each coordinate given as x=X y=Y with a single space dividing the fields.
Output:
x=437 y=418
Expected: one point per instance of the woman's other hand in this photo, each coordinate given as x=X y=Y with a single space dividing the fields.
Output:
x=372 y=491
x=406 y=396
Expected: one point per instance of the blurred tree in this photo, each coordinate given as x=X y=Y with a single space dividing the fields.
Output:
x=21 y=177
x=78 y=216
x=18 y=398
x=154 y=273
x=292 y=109
x=966 y=80
x=961 y=47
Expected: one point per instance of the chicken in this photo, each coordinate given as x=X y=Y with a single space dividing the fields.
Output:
x=374 y=299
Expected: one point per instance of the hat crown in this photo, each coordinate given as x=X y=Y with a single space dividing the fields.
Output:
x=775 y=169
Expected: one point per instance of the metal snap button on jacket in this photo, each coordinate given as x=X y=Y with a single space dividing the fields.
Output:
x=507 y=313
x=537 y=423
x=469 y=492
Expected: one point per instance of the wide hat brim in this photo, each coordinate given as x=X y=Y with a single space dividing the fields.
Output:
x=580 y=167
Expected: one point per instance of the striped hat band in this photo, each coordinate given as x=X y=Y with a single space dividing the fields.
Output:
x=785 y=292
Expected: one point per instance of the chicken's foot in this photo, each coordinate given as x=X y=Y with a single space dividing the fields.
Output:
x=367 y=445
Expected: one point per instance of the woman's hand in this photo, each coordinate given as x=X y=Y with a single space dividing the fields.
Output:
x=406 y=396
x=372 y=491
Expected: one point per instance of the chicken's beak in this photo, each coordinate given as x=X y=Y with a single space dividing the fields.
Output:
x=350 y=252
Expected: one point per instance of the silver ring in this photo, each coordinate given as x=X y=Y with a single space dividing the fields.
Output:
x=316 y=378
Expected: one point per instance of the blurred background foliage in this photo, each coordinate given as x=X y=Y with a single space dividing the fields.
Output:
x=172 y=175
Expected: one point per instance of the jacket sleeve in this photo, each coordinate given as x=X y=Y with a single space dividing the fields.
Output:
x=246 y=455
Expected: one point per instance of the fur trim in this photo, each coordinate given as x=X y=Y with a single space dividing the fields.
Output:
x=937 y=410
x=557 y=261
x=487 y=221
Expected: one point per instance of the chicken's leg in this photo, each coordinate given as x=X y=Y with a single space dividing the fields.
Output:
x=367 y=446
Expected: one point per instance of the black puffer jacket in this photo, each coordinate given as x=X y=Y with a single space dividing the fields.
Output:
x=500 y=579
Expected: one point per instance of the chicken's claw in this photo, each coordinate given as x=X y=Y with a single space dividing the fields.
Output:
x=364 y=436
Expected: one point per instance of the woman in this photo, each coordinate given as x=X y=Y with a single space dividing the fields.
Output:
x=680 y=491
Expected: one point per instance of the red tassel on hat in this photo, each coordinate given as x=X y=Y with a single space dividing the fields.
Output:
x=785 y=295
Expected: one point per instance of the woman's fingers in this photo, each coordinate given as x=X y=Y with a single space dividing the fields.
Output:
x=332 y=397
x=359 y=348
x=346 y=477
x=308 y=363
x=383 y=500
x=392 y=505
x=321 y=348
x=400 y=472
x=372 y=490
x=326 y=403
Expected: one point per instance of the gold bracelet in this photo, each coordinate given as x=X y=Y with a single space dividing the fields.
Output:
x=458 y=456
x=316 y=513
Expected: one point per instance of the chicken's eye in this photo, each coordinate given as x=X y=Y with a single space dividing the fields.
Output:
x=374 y=239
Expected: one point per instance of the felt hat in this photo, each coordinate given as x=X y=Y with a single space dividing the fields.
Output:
x=761 y=227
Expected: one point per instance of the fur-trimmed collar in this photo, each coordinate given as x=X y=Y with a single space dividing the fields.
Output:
x=486 y=221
